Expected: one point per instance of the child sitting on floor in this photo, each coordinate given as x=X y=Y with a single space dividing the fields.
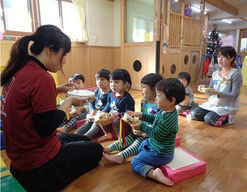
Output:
x=188 y=103
x=158 y=149
x=119 y=101
x=90 y=129
x=80 y=112
x=148 y=106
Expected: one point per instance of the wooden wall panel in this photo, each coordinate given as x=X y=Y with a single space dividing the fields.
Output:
x=185 y=61
x=170 y=65
x=86 y=60
x=100 y=57
x=5 y=47
x=146 y=55
x=195 y=61
x=187 y=33
x=117 y=58
x=196 y=32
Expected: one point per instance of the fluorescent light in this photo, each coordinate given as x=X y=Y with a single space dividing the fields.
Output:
x=196 y=9
x=227 y=21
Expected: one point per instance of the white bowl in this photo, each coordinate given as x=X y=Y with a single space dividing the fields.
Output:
x=81 y=93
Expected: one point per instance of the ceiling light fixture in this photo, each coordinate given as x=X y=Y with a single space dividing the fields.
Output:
x=196 y=9
x=227 y=21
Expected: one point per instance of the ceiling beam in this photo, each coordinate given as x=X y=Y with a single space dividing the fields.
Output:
x=221 y=4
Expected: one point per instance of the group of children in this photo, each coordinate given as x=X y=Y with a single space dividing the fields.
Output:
x=152 y=137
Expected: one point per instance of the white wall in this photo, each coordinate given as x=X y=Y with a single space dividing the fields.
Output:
x=101 y=21
x=117 y=23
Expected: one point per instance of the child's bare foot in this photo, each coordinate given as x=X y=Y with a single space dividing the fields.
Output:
x=106 y=149
x=105 y=137
x=62 y=129
x=157 y=175
x=114 y=158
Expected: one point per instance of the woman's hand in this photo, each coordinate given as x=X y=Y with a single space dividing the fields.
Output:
x=72 y=100
x=77 y=101
x=69 y=86
x=134 y=114
x=214 y=92
x=200 y=88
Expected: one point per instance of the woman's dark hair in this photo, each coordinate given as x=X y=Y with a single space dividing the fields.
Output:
x=172 y=87
x=45 y=36
x=77 y=76
x=104 y=73
x=151 y=79
x=121 y=74
x=229 y=52
x=184 y=75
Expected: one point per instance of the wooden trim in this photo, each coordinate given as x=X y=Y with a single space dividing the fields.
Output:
x=221 y=4
x=141 y=44
x=122 y=19
x=239 y=41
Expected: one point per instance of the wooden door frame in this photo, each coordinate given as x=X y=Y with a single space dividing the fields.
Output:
x=245 y=29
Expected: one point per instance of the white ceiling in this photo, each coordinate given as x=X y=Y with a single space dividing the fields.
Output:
x=216 y=15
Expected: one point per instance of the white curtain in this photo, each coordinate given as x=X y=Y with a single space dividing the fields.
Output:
x=80 y=7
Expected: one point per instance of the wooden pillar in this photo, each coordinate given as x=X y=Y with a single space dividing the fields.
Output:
x=122 y=19
x=203 y=40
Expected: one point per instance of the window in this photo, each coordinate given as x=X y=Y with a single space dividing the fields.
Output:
x=49 y=12
x=16 y=16
x=139 y=16
x=23 y=17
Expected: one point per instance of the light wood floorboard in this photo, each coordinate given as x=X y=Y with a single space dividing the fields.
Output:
x=224 y=149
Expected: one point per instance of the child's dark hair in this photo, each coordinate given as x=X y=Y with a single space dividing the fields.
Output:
x=104 y=73
x=229 y=52
x=77 y=76
x=151 y=79
x=172 y=87
x=185 y=75
x=45 y=36
x=121 y=74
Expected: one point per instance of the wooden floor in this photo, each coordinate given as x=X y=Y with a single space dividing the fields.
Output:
x=224 y=149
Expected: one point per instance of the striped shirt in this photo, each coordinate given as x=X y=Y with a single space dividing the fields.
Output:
x=162 y=132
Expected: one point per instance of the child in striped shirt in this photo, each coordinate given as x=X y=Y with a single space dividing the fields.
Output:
x=133 y=141
x=159 y=148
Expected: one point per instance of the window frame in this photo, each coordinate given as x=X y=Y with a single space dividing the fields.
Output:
x=35 y=19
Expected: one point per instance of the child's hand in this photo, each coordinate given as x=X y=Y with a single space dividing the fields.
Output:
x=93 y=113
x=69 y=86
x=137 y=125
x=134 y=114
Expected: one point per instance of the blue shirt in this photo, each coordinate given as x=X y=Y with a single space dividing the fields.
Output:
x=120 y=104
x=100 y=101
x=148 y=108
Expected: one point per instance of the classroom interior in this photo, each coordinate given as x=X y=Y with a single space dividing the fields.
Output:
x=147 y=36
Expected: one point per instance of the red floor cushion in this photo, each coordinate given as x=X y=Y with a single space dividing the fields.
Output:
x=184 y=165
x=177 y=141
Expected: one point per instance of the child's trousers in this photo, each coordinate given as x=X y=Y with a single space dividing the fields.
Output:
x=148 y=159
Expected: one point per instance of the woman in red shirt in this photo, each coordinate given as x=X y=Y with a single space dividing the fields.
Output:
x=40 y=160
